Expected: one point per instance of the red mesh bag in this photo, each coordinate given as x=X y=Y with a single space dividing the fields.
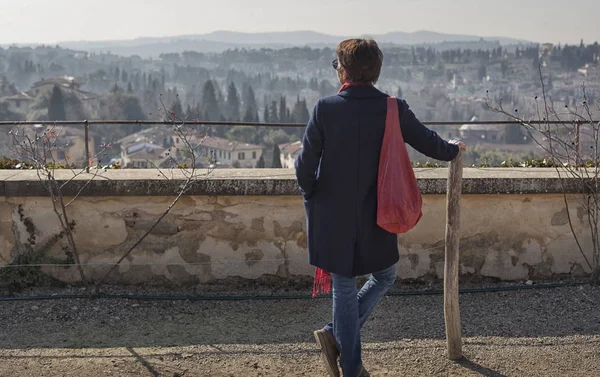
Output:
x=399 y=202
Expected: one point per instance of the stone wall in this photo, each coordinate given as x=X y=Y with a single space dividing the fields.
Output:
x=212 y=236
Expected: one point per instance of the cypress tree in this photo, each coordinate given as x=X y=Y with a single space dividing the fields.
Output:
x=232 y=110
x=249 y=116
x=283 y=113
x=273 y=116
x=177 y=109
x=276 y=157
x=56 y=106
x=210 y=105
x=260 y=164
x=300 y=113
x=250 y=105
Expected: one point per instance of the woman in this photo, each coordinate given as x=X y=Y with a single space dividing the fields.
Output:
x=337 y=174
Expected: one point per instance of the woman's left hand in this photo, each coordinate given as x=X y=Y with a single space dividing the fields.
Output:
x=461 y=145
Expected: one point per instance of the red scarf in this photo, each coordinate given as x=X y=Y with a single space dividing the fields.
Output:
x=322 y=282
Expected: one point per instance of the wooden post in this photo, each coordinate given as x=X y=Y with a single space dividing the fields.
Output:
x=577 y=147
x=87 y=145
x=451 y=266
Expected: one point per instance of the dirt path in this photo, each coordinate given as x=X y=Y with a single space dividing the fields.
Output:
x=526 y=333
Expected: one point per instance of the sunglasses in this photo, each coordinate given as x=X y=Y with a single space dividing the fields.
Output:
x=335 y=64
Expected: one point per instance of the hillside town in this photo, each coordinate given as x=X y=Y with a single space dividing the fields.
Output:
x=273 y=86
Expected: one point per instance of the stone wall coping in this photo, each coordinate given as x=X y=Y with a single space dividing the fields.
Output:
x=151 y=182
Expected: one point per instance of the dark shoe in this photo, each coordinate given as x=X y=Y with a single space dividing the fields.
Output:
x=329 y=351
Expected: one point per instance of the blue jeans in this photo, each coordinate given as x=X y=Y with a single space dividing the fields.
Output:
x=351 y=309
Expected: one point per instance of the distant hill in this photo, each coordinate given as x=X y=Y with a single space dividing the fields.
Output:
x=219 y=41
x=432 y=37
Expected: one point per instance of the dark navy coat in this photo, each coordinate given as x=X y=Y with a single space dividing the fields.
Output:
x=337 y=174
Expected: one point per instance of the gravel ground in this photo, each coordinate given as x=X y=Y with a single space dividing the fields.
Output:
x=550 y=332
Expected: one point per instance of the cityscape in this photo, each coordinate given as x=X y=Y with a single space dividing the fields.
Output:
x=445 y=81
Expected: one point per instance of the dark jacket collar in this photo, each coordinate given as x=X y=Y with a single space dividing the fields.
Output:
x=367 y=91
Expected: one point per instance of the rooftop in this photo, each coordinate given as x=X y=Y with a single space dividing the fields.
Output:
x=291 y=148
x=146 y=151
x=148 y=146
x=18 y=97
x=64 y=81
x=228 y=145
x=151 y=135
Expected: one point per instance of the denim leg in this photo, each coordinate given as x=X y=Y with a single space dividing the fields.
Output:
x=351 y=309
x=373 y=290
x=347 y=328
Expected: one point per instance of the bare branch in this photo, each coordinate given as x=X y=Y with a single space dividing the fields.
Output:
x=561 y=140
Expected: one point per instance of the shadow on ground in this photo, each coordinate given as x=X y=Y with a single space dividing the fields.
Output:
x=480 y=370
x=125 y=323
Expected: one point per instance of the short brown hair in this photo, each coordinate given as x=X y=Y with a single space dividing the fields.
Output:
x=361 y=59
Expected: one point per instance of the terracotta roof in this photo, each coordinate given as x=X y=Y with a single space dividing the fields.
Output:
x=291 y=148
x=65 y=81
x=228 y=145
x=146 y=151
x=139 y=147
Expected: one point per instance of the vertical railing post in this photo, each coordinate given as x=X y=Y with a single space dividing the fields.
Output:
x=87 y=145
x=451 y=266
x=578 y=160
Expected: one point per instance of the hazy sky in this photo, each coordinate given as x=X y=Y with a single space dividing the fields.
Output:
x=51 y=21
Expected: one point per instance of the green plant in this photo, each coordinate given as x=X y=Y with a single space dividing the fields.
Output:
x=29 y=226
x=9 y=163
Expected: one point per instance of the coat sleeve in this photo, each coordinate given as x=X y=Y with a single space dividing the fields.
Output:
x=422 y=138
x=309 y=158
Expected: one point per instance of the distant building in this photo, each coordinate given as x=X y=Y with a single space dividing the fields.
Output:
x=147 y=148
x=546 y=49
x=490 y=133
x=208 y=150
x=591 y=72
x=159 y=135
x=18 y=103
x=64 y=82
x=68 y=143
x=73 y=142
x=227 y=153
x=144 y=155
x=289 y=154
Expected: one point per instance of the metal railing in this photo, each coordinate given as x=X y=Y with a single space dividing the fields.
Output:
x=262 y=124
